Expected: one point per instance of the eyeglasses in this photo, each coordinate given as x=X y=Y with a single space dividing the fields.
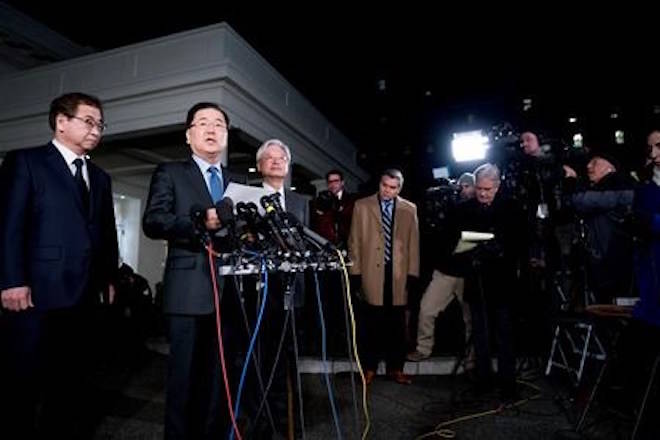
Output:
x=91 y=123
x=275 y=158
x=204 y=125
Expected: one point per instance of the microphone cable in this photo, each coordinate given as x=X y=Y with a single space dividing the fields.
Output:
x=324 y=357
x=218 y=323
x=257 y=327
x=365 y=406
x=271 y=376
x=301 y=413
x=351 y=358
x=255 y=361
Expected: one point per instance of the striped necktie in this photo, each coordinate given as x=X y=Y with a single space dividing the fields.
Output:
x=386 y=209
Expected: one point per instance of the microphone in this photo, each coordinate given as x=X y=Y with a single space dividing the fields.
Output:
x=249 y=224
x=318 y=239
x=225 y=210
x=271 y=204
x=271 y=222
x=198 y=218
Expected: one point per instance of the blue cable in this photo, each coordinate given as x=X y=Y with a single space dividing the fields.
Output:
x=251 y=347
x=331 y=395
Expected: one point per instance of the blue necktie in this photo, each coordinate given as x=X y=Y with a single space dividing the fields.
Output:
x=215 y=184
x=387 y=228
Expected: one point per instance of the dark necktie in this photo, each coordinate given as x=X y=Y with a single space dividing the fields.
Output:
x=80 y=183
x=215 y=184
x=387 y=228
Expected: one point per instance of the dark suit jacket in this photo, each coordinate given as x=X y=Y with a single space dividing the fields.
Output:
x=497 y=258
x=47 y=242
x=335 y=224
x=298 y=205
x=175 y=188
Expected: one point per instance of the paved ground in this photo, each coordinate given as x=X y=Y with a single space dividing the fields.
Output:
x=131 y=405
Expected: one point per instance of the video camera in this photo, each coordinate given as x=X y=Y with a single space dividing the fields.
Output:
x=437 y=202
x=326 y=201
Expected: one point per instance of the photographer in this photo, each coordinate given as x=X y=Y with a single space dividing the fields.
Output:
x=333 y=210
x=446 y=282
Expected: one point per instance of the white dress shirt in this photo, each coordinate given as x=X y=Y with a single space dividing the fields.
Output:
x=69 y=156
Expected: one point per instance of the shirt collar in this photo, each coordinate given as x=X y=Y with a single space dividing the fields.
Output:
x=68 y=155
x=270 y=189
x=204 y=165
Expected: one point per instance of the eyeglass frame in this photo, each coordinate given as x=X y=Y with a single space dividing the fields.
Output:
x=204 y=125
x=90 y=123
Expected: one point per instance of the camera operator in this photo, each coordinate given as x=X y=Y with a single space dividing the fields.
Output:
x=542 y=181
x=490 y=274
x=604 y=207
x=333 y=210
x=446 y=282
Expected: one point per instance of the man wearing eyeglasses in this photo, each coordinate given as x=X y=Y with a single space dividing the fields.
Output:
x=273 y=159
x=58 y=254
x=195 y=407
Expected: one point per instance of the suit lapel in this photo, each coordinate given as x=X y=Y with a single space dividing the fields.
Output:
x=374 y=209
x=198 y=182
x=59 y=166
x=94 y=185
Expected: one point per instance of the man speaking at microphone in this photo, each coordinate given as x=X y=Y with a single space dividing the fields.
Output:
x=195 y=403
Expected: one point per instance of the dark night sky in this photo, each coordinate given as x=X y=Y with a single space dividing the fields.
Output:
x=474 y=62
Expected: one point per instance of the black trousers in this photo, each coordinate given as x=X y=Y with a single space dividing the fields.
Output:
x=486 y=318
x=46 y=360
x=383 y=331
x=196 y=406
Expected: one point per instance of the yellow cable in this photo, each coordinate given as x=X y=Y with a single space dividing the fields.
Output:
x=355 y=350
x=448 y=433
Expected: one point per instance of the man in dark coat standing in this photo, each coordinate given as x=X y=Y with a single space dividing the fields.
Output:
x=195 y=404
x=58 y=253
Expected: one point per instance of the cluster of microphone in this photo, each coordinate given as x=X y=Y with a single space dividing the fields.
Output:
x=244 y=227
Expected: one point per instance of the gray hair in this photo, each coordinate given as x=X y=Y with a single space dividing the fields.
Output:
x=394 y=174
x=467 y=178
x=487 y=171
x=277 y=142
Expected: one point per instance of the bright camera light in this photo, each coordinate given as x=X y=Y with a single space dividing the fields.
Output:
x=469 y=146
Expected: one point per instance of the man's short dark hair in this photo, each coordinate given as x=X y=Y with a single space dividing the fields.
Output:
x=331 y=172
x=68 y=103
x=201 y=106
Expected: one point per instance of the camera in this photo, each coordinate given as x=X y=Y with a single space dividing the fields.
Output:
x=438 y=200
x=326 y=201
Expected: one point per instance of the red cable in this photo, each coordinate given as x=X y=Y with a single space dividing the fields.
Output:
x=221 y=346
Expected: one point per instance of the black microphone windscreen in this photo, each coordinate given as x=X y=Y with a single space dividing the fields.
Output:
x=197 y=211
x=266 y=202
x=225 y=210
